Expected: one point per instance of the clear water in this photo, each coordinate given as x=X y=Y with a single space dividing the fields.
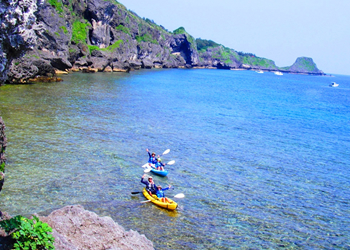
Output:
x=262 y=159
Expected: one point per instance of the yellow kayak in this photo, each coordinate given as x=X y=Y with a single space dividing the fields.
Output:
x=154 y=199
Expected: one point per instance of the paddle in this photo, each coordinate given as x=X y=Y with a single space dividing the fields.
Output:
x=136 y=192
x=179 y=196
x=166 y=151
x=147 y=170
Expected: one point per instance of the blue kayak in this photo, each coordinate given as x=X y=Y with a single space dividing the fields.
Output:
x=159 y=172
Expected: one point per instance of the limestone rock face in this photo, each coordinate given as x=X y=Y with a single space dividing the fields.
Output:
x=3 y=145
x=95 y=35
x=76 y=228
x=17 y=31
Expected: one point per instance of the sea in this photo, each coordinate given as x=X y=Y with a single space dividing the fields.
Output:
x=263 y=160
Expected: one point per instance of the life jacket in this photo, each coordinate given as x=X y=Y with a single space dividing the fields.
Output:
x=158 y=164
x=151 y=187
x=160 y=193
x=152 y=160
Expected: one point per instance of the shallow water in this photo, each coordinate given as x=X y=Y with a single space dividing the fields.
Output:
x=262 y=159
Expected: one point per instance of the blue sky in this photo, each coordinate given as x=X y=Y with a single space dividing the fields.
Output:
x=274 y=29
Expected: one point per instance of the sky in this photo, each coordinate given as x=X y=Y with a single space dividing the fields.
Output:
x=280 y=30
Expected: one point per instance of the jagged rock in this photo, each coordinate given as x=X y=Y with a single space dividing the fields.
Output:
x=135 y=64
x=17 y=32
x=22 y=70
x=147 y=63
x=79 y=34
x=76 y=228
x=3 y=145
x=100 y=34
x=81 y=62
x=108 y=69
x=99 y=63
x=61 y=63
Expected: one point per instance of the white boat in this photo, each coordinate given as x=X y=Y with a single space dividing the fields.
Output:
x=278 y=73
x=260 y=71
x=334 y=84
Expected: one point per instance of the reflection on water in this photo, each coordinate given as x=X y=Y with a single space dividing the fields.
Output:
x=257 y=158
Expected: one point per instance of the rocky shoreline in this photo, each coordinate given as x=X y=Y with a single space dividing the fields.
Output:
x=75 y=228
x=103 y=36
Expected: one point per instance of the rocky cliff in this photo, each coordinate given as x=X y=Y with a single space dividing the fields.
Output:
x=3 y=145
x=102 y=35
x=17 y=32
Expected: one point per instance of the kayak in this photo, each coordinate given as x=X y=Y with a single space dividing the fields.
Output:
x=159 y=172
x=152 y=169
x=155 y=200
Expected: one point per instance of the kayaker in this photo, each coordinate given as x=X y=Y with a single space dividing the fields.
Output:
x=160 y=193
x=150 y=185
x=159 y=165
x=152 y=158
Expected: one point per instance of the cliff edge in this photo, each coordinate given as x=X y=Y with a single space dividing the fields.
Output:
x=102 y=35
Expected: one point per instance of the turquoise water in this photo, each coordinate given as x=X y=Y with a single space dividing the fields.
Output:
x=262 y=159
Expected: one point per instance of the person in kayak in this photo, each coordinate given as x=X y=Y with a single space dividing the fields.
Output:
x=159 y=165
x=150 y=185
x=160 y=193
x=152 y=158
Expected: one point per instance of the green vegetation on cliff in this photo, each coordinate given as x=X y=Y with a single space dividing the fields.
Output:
x=203 y=45
x=124 y=29
x=258 y=61
x=79 y=32
x=146 y=38
x=77 y=27
x=57 y=4
x=190 y=39
x=110 y=48
x=224 y=54
x=304 y=64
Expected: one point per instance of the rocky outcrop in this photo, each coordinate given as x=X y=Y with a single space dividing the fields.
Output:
x=76 y=228
x=303 y=65
x=17 y=33
x=100 y=35
x=3 y=145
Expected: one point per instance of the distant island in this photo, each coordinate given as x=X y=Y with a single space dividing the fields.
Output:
x=103 y=36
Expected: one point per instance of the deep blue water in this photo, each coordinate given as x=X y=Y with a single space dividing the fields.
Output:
x=262 y=159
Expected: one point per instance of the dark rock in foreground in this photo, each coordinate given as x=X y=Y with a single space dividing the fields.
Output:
x=76 y=228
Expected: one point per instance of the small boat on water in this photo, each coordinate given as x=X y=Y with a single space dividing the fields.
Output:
x=153 y=170
x=279 y=73
x=159 y=172
x=155 y=200
x=334 y=84
x=260 y=71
